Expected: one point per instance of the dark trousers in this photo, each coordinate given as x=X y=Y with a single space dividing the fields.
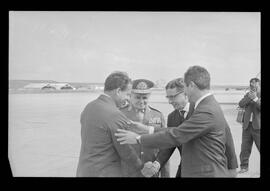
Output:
x=249 y=135
x=178 y=173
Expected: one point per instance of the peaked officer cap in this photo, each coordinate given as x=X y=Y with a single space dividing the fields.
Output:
x=142 y=86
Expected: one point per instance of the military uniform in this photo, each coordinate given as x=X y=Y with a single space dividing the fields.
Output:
x=151 y=117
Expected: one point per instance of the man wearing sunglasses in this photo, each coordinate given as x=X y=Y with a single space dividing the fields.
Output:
x=139 y=110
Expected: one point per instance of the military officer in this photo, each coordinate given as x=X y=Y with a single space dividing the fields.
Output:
x=138 y=110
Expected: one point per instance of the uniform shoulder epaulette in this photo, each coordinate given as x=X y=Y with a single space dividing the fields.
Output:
x=154 y=109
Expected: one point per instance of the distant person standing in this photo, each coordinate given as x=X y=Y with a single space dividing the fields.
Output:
x=139 y=110
x=101 y=155
x=251 y=102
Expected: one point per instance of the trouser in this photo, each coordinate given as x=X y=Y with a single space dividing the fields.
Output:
x=249 y=135
x=178 y=174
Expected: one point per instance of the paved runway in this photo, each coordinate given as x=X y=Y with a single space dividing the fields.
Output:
x=44 y=135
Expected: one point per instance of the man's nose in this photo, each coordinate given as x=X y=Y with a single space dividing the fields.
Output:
x=141 y=100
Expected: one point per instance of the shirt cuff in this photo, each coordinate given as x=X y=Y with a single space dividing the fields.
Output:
x=151 y=129
x=157 y=164
x=255 y=99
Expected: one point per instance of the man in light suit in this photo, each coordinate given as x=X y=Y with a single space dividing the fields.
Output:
x=203 y=136
x=251 y=122
x=101 y=155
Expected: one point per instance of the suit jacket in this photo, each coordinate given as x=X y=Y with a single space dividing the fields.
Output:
x=101 y=154
x=174 y=120
x=251 y=107
x=152 y=117
x=203 y=137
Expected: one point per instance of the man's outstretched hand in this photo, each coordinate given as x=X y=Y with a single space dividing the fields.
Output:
x=126 y=137
x=138 y=127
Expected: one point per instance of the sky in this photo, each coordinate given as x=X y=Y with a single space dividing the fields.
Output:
x=86 y=46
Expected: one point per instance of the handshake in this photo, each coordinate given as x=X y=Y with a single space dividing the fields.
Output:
x=150 y=168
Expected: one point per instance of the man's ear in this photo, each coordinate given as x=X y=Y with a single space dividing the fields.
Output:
x=192 y=84
x=117 y=91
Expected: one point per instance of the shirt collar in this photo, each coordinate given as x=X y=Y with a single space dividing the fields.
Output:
x=186 y=108
x=105 y=95
x=201 y=98
x=107 y=98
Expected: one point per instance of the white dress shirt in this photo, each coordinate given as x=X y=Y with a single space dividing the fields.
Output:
x=251 y=116
x=186 y=109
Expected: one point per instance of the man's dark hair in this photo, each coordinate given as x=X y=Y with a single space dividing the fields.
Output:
x=177 y=83
x=254 y=79
x=199 y=75
x=117 y=80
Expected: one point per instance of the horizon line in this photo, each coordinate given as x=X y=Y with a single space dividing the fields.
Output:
x=103 y=82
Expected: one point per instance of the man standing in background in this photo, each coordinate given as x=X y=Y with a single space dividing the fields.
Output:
x=139 y=110
x=251 y=122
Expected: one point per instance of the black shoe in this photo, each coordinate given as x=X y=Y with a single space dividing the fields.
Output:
x=243 y=170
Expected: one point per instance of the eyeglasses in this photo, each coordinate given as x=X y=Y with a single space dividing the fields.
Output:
x=174 y=96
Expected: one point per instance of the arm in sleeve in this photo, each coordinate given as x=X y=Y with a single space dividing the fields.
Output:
x=230 y=150
x=126 y=151
x=197 y=125
x=163 y=159
x=165 y=170
x=245 y=101
x=158 y=129
x=165 y=167
x=165 y=154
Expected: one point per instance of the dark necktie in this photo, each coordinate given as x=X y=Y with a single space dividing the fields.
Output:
x=182 y=112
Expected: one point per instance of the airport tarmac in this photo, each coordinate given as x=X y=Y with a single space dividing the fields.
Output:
x=44 y=134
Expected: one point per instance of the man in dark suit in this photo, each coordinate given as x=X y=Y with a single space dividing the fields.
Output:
x=203 y=136
x=101 y=155
x=182 y=110
x=251 y=122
